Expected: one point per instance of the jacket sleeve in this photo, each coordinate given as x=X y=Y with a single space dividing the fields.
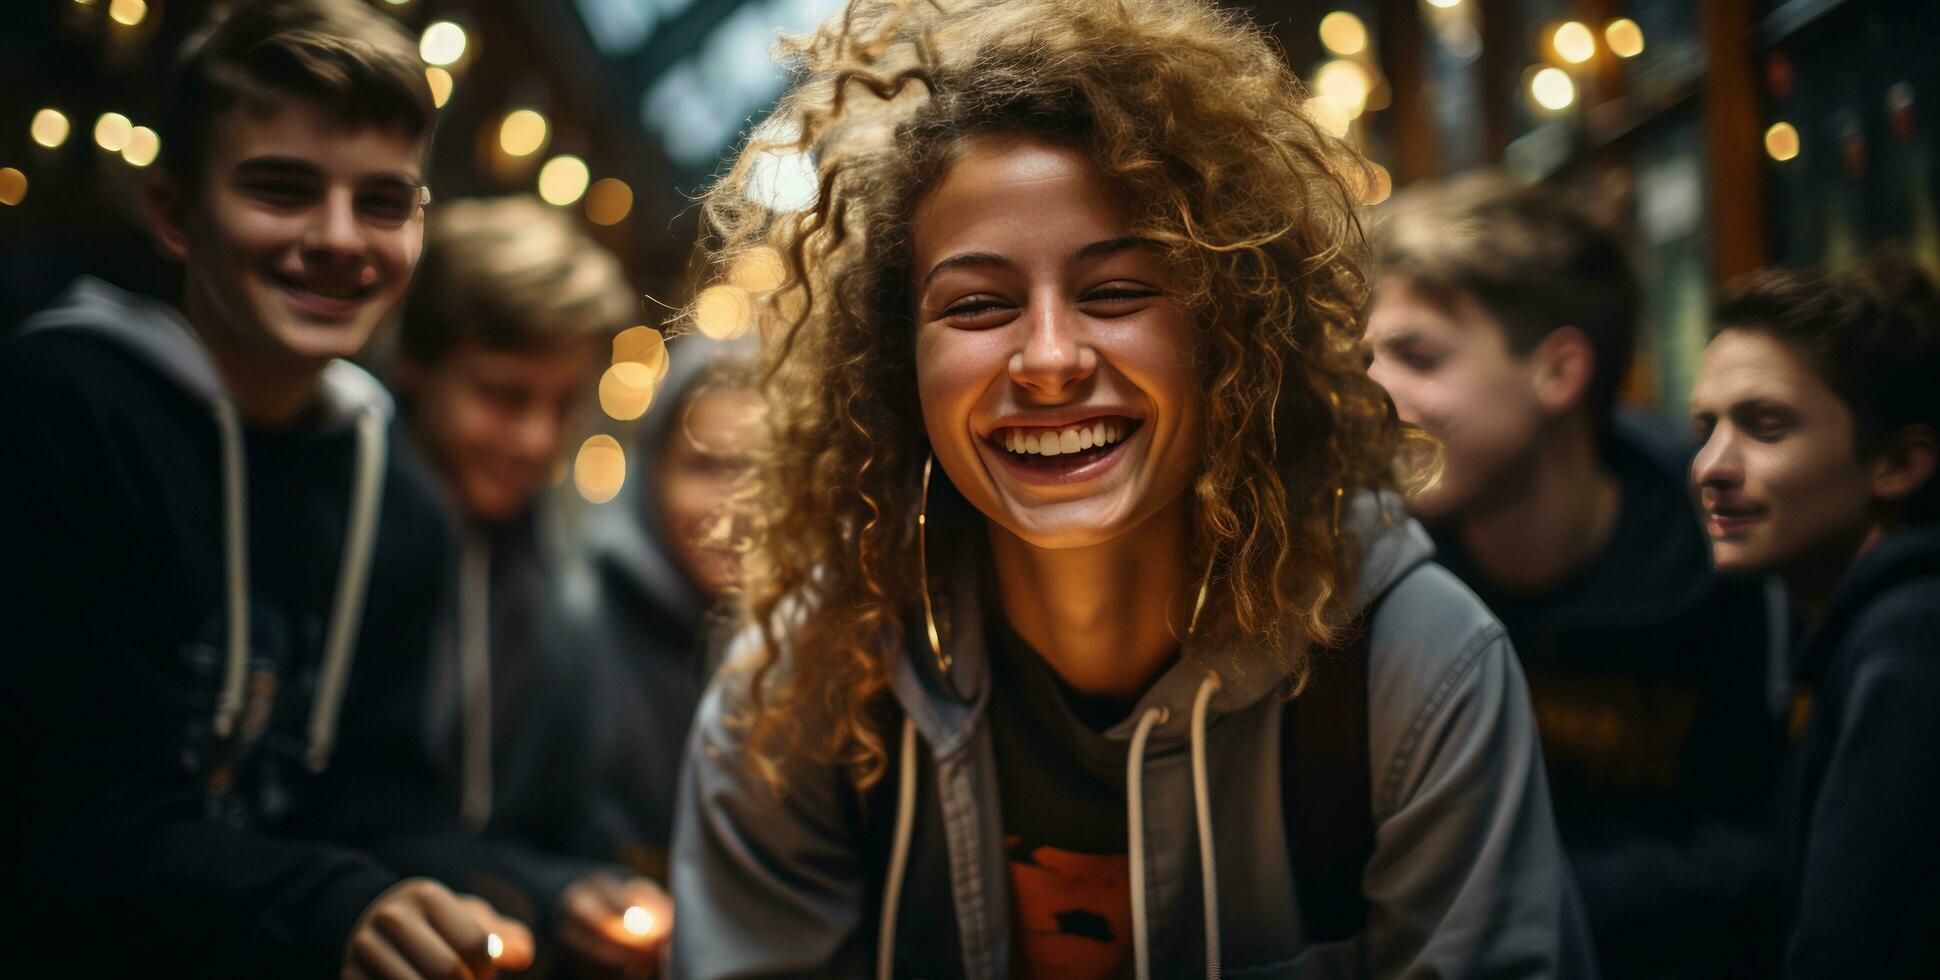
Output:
x=1867 y=904
x=110 y=840
x=762 y=886
x=1468 y=878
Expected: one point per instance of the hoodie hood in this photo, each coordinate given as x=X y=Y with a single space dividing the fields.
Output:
x=624 y=539
x=1392 y=545
x=1908 y=554
x=155 y=332
x=348 y=398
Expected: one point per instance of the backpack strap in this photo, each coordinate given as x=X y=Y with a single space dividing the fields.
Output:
x=1326 y=790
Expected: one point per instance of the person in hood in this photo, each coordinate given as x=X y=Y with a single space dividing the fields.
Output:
x=1077 y=517
x=655 y=563
x=1503 y=321
x=506 y=333
x=220 y=653
x=1817 y=406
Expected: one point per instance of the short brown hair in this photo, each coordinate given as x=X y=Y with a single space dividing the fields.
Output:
x=1872 y=335
x=340 y=55
x=1528 y=256
x=512 y=274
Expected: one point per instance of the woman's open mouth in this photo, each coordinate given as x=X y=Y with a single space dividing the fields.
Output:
x=1059 y=454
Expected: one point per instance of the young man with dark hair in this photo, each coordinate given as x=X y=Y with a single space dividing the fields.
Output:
x=1503 y=322
x=1819 y=402
x=221 y=655
x=510 y=324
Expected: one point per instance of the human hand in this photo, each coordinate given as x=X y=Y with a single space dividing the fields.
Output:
x=419 y=930
x=615 y=925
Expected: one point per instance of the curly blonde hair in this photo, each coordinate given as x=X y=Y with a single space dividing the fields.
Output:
x=1189 y=112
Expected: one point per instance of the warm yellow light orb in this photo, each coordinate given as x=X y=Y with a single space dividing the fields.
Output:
x=563 y=180
x=522 y=133
x=1332 y=119
x=1343 y=33
x=1379 y=187
x=112 y=132
x=600 y=468
x=608 y=201
x=441 y=85
x=626 y=389
x=1573 y=42
x=49 y=128
x=723 y=312
x=1782 y=141
x=143 y=147
x=127 y=13
x=13 y=186
x=1552 y=89
x=637 y=920
x=1625 y=38
x=758 y=270
x=643 y=345
x=443 y=44
x=1346 y=84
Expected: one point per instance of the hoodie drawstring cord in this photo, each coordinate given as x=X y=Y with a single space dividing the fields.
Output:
x=1135 y=846
x=1202 y=802
x=475 y=679
x=1135 y=823
x=353 y=577
x=892 y=886
x=235 y=561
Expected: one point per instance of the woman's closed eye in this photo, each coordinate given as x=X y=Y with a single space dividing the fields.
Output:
x=1117 y=299
x=977 y=311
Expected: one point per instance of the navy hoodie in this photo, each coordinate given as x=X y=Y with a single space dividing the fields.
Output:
x=188 y=805
x=1863 y=809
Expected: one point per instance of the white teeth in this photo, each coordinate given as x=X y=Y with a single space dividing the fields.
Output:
x=1057 y=442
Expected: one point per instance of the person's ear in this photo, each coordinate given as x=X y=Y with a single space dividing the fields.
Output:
x=164 y=202
x=1565 y=365
x=1906 y=463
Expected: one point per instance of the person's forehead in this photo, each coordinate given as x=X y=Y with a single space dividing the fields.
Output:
x=1403 y=309
x=1749 y=365
x=300 y=131
x=972 y=205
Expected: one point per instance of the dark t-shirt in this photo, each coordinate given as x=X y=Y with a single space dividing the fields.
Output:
x=1062 y=785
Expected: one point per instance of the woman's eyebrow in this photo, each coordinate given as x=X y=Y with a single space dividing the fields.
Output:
x=967 y=260
x=1113 y=246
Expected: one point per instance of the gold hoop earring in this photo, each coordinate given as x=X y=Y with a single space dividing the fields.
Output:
x=943 y=660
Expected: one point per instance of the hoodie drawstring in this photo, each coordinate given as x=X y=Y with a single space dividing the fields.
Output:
x=353 y=576
x=475 y=679
x=1135 y=823
x=892 y=886
x=235 y=562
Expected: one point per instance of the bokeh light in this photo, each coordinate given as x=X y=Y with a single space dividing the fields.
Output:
x=1573 y=42
x=637 y=920
x=443 y=44
x=49 y=128
x=494 y=946
x=563 y=180
x=1552 y=89
x=441 y=85
x=127 y=13
x=1331 y=118
x=643 y=345
x=1625 y=38
x=608 y=201
x=522 y=133
x=723 y=312
x=1346 y=84
x=1445 y=4
x=599 y=471
x=1782 y=141
x=758 y=270
x=143 y=146
x=112 y=132
x=626 y=389
x=1343 y=33
x=13 y=186
x=1380 y=185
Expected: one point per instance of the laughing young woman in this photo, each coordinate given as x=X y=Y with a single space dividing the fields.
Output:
x=1090 y=638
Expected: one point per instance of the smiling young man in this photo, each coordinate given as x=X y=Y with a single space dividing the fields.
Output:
x=224 y=641
x=1502 y=323
x=1818 y=405
x=503 y=340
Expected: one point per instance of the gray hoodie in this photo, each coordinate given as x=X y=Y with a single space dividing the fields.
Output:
x=1467 y=878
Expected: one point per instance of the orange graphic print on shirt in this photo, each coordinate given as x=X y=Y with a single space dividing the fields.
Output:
x=1073 y=912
